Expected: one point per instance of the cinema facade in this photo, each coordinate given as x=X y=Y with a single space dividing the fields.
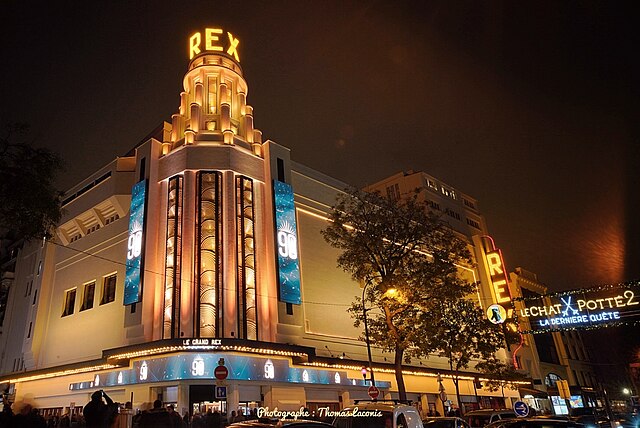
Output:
x=201 y=249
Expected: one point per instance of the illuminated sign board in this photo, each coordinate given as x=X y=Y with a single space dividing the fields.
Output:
x=286 y=244
x=134 y=271
x=496 y=314
x=589 y=308
x=498 y=277
x=213 y=40
x=191 y=366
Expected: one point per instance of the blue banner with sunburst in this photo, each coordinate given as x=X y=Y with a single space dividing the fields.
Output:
x=135 y=244
x=287 y=244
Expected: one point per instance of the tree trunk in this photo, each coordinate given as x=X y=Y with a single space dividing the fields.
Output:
x=456 y=382
x=399 y=379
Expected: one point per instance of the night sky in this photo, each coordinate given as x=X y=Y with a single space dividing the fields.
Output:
x=530 y=107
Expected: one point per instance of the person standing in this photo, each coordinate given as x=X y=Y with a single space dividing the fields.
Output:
x=176 y=419
x=97 y=413
x=158 y=417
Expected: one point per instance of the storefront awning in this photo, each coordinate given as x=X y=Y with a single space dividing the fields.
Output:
x=534 y=392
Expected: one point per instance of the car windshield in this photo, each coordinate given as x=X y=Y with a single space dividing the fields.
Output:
x=384 y=421
x=478 y=421
x=535 y=423
x=581 y=411
x=440 y=423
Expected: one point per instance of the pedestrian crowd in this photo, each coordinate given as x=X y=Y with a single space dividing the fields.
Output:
x=103 y=412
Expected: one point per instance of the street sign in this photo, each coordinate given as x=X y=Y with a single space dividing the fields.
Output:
x=373 y=392
x=221 y=372
x=221 y=393
x=521 y=408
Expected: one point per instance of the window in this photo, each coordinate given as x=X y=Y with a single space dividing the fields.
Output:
x=401 y=422
x=69 y=302
x=108 y=289
x=432 y=184
x=87 y=297
x=280 y=163
x=30 y=327
x=469 y=203
x=452 y=213
x=473 y=223
x=448 y=192
x=434 y=205
x=393 y=192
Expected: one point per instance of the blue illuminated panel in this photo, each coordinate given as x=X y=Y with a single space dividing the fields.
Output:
x=193 y=366
x=287 y=244
x=135 y=245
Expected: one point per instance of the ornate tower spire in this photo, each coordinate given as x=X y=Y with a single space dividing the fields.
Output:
x=213 y=107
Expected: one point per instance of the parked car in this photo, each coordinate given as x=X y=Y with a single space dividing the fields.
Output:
x=379 y=414
x=535 y=422
x=590 y=417
x=445 y=422
x=481 y=418
x=284 y=423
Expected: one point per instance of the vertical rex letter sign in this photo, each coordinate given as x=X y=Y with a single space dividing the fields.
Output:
x=286 y=244
x=135 y=244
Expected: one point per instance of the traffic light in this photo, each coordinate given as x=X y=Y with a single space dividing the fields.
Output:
x=477 y=384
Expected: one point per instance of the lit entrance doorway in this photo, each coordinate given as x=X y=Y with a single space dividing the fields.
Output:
x=202 y=399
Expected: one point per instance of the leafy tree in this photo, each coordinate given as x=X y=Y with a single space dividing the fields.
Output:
x=395 y=244
x=500 y=375
x=30 y=205
x=458 y=330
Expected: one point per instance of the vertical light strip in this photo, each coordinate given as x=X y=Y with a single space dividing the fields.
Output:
x=209 y=261
x=171 y=324
x=246 y=286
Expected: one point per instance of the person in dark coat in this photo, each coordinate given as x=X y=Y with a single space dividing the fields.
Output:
x=97 y=413
x=158 y=417
x=29 y=418
x=176 y=419
x=6 y=417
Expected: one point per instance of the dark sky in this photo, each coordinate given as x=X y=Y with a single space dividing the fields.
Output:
x=530 y=107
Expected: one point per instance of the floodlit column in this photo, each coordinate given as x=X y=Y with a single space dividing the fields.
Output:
x=242 y=102
x=257 y=142
x=195 y=117
x=248 y=124
x=189 y=136
x=199 y=93
x=184 y=101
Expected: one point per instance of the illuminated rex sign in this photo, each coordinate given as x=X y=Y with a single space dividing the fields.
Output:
x=498 y=277
x=135 y=244
x=214 y=40
x=589 y=308
x=286 y=243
